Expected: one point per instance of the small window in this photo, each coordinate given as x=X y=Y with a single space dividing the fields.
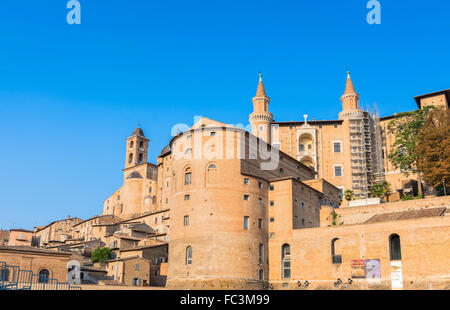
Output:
x=271 y=187
x=260 y=201
x=131 y=144
x=187 y=197
x=281 y=170
x=213 y=133
x=337 y=171
x=272 y=219
x=261 y=275
x=337 y=147
x=260 y=224
x=271 y=235
x=188 y=178
x=130 y=158
x=286 y=261
x=186 y=220
x=246 y=181
x=136 y=267
x=246 y=197
x=261 y=253
x=189 y=255
x=259 y=184
x=272 y=203
x=245 y=222
x=302 y=147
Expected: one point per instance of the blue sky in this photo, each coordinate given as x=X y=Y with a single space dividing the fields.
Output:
x=71 y=94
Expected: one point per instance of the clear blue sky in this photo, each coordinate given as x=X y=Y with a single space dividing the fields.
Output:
x=71 y=94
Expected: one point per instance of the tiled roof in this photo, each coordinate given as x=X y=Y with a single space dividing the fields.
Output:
x=135 y=175
x=406 y=215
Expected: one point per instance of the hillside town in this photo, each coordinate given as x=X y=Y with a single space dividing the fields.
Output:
x=210 y=215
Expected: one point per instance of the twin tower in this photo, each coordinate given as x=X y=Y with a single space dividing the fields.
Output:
x=261 y=118
x=260 y=121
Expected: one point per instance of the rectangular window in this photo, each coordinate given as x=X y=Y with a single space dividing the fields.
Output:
x=260 y=201
x=187 y=197
x=186 y=220
x=271 y=187
x=272 y=219
x=137 y=267
x=261 y=253
x=271 y=235
x=260 y=224
x=337 y=171
x=259 y=185
x=337 y=147
x=302 y=147
x=213 y=133
x=246 y=197
x=246 y=181
x=245 y=222
x=272 y=203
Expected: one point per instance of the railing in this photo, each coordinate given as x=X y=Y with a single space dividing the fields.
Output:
x=13 y=278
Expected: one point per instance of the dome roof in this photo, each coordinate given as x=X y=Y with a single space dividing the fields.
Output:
x=165 y=150
x=138 y=132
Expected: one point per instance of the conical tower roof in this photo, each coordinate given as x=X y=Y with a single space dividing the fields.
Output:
x=260 y=92
x=349 y=88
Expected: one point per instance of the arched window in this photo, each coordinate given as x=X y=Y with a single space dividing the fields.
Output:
x=286 y=261
x=131 y=144
x=188 y=176
x=140 y=158
x=336 y=259
x=130 y=158
x=212 y=174
x=141 y=144
x=189 y=255
x=188 y=153
x=43 y=276
x=395 y=247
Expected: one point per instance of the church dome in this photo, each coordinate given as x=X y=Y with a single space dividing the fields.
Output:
x=138 y=132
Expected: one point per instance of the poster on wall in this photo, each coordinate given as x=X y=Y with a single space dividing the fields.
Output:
x=396 y=274
x=358 y=268
x=373 y=270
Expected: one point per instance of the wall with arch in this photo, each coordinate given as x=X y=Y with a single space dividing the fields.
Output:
x=425 y=255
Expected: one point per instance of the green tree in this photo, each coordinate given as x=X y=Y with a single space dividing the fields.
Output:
x=101 y=255
x=405 y=128
x=433 y=148
x=380 y=190
x=349 y=195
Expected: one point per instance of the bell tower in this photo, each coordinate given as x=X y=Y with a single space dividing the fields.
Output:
x=137 y=149
x=261 y=118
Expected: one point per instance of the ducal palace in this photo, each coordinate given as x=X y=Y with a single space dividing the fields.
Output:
x=224 y=208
